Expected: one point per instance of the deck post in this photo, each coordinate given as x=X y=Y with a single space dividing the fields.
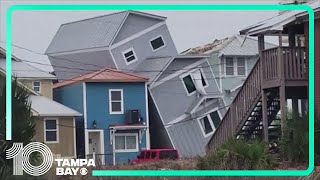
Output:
x=264 y=104
x=282 y=88
x=265 y=123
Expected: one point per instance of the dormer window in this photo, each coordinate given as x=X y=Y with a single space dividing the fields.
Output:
x=129 y=56
x=157 y=43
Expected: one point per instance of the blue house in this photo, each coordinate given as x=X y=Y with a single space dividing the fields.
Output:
x=115 y=114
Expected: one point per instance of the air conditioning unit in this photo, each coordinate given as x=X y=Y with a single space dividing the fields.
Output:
x=133 y=117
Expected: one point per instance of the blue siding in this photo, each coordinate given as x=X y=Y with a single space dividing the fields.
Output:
x=70 y=96
x=98 y=110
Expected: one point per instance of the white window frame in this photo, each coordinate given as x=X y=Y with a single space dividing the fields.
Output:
x=235 y=67
x=36 y=86
x=210 y=121
x=134 y=53
x=189 y=73
x=45 y=130
x=164 y=43
x=125 y=144
x=110 y=102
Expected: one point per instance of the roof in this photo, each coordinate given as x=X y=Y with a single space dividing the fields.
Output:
x=28 y=56
x=104 y=75
x=44 y=106
x=91 y=33
x=276 y=23
x=234 y=45
x=23 y=70
x=151 y=67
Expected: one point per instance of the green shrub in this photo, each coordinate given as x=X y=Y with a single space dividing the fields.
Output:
x=294 y=146
x=238 y=154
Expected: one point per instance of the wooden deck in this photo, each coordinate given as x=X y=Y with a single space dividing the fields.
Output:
x=259 y=98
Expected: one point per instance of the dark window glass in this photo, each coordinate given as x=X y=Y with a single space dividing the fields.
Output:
x=189 y=84
x=51 y=135
x=116 y=95
x=51 y=124
x=168 y=155
x=153 y=155
x=147 y=155
x=206 y=125
x=128 y=54
x=116 y=106
x=157 y=43
x=215 y=118
x=203 y=80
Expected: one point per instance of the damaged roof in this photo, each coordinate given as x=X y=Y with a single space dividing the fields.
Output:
x=234 y=45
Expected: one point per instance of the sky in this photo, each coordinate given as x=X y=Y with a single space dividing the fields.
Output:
x=34 y=30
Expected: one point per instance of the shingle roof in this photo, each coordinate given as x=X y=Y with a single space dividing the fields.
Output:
x=90 y=33
x=23 y=70
x=104 y=75
x=235 y=45
x=44 y=106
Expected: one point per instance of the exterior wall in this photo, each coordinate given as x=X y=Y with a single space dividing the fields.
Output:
x=192 y=144
x=173 y=92
x=65 y=146
x=46 y=86
x=134 y=24
x=80 y=63
x=98 y=109
x=143 y=49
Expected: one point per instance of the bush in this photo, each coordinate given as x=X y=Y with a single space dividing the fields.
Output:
x=294 y=146
x=238 y=154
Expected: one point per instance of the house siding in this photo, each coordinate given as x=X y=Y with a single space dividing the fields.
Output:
x=134 y=24
x=65 y=146
x=46 y=86
x=72 y=65
x=98 y=110
x=173 y=92
x=143 y=48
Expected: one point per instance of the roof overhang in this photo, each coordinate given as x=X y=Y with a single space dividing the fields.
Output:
x=127 y=127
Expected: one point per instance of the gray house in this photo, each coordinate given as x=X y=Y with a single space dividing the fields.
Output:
x=231 y=59
x=185 y=101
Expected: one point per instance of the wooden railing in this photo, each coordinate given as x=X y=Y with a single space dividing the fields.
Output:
x=240 y=108
x=293 y=62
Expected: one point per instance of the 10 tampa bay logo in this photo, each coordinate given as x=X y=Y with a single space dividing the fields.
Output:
x=21 y=161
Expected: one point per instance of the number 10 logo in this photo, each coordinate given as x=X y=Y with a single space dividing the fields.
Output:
x=21 y=158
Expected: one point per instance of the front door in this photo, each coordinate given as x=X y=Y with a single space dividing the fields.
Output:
x=95 y=147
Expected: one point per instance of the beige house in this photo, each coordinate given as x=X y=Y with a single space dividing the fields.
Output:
x=55 y=123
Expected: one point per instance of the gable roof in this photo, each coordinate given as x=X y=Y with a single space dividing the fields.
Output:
x=234 y=45
x=91 y=33
x=23 y=70
x=26 y=56
x=103 y=75
x=43 y=106
x=276 y=23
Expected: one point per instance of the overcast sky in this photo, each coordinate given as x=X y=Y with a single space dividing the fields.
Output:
x=35 y=29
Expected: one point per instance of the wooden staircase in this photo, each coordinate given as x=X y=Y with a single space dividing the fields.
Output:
x=276 y=71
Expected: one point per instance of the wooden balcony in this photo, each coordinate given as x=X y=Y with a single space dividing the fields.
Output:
x=284 y=65
x=278 y=68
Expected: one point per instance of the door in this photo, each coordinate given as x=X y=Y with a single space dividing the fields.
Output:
x=95 y=147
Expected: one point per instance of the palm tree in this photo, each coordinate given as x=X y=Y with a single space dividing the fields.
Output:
x=23 y=123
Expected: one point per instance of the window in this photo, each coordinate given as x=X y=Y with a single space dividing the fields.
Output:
x=157 y=43
x=36 y=86
x=116 y=101
x=189 y=82
x=51 y=134
x=235 y=66
x=209 y=123
x=229 y=66
x=168 y=155
x=206 y=125
x=126 y=143
x=130 y=56
x=241 y=65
